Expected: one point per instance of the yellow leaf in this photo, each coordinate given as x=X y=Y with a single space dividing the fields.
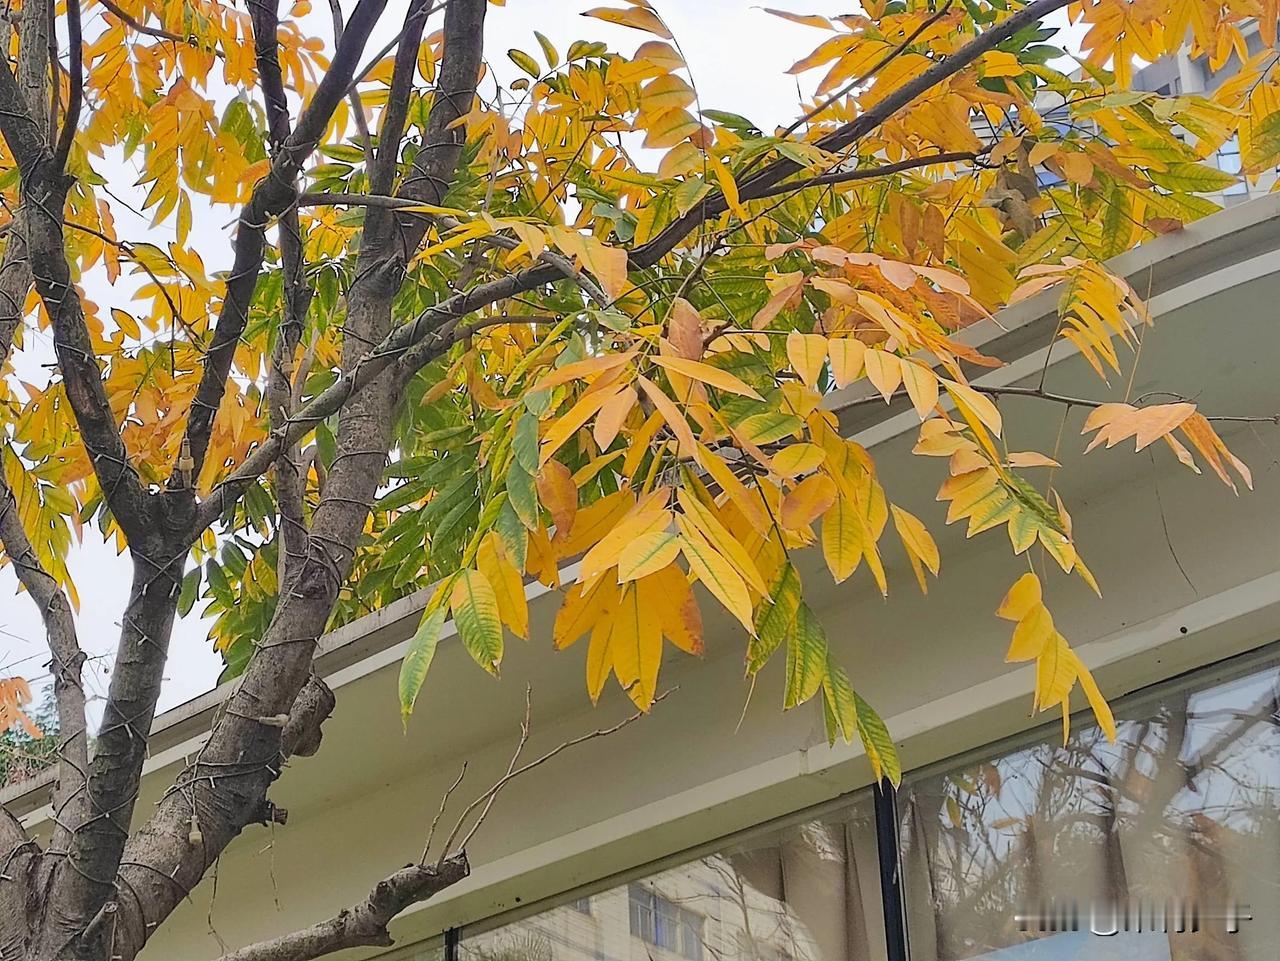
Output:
x=600 y=651
x=1101 y=709
x=796 y=459
x=728 y=186
x=918 y=542
x=716 y=573
x=970 y=402
x=670 y=128
x=846 y=359
x=1032 y=635
x=922 y=387
x=668 y=593
x=608 y=265
x=710 y=527
x=508 y=586
x=636 y=646
x=609 y=550
x=884 y=370
x=1022 y=597
x=581 y=610
x=842 y=539
x=648 y=553
x=613 y=414
x=1030 y=459
x=706 y=374
x=751 y=505
x=638 y=18
x=997 y=63
x=582 y=370
x=1055 y=673
x=1200 y=432
x=1115 y=422
x=568 y=424
x=807 y=353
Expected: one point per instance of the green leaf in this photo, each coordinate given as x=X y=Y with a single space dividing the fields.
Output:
x=522 y=494
x=344 y=152
x=878 y=744
x=524 y=62
x=1263 y=149
x=525 y=443
x=769 y=427
x=475 y=611
x=806 y=658
x=190 y=590
x=548 y=50
x=733 y=121
x=689 y=193
x=422 y=648
x=775 y=618
x=1192 y=178
x=512 y=532
x=840 y=707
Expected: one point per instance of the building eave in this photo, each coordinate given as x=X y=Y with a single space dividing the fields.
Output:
x=1228 y=248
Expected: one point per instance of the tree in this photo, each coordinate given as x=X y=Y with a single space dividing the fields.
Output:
x=469 y=331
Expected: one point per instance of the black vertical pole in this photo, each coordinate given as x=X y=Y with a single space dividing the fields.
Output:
x=451 y=938
x=890 y=855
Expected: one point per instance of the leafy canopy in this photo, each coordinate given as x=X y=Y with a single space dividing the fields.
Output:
x=657 y=411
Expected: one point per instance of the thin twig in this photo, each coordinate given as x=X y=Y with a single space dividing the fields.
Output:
x=487 y=797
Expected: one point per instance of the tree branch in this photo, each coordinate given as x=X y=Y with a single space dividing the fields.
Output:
x=870 y=173
x=288 y=482
x=412 y=207
x=121 y=15
x=226 y=787
x=21 y=130
x=44 y=188
x=353 y=95
x=394 y=117
x=75 y=56
x=363 y=924
x=271 y=196
x=715 y=204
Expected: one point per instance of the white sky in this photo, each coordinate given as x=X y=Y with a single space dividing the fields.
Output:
x=738 y=56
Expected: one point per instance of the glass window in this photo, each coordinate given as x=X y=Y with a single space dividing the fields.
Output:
x=809 y=891
x=1170 y=838
x=1228 y=160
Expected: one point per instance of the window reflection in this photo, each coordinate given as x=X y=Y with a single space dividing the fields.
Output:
x=1182 y=812
x=809 y=892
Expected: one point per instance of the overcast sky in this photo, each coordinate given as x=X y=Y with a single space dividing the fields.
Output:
x=738 y=56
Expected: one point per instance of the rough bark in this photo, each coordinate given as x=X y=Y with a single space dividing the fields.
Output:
x=364 y=924
x=19 y=858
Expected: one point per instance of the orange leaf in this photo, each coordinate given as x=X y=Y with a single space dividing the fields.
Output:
x=558 y=494
x=670 y=413
x=807 y=501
